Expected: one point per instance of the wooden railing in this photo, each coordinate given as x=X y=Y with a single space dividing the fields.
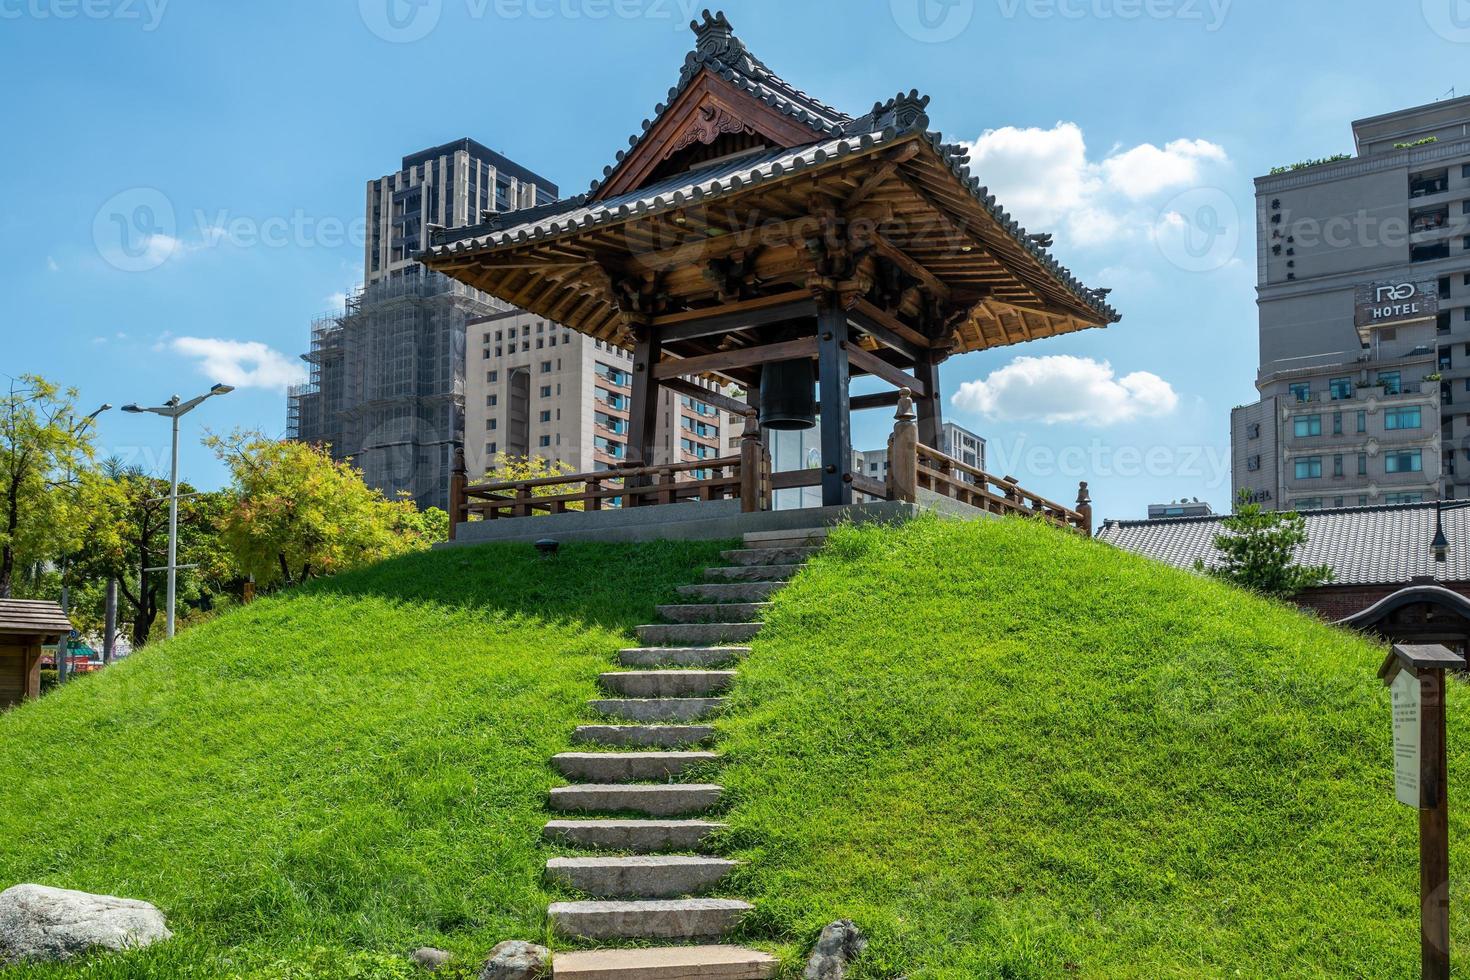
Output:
x=748 y=478
x=914 y=466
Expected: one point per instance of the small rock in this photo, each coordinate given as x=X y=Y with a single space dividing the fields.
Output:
x=431 y=959
x=840 y=944
x=41 y=924
x=515 y=960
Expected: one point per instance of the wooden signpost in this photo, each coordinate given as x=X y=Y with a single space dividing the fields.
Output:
x=1415 y=675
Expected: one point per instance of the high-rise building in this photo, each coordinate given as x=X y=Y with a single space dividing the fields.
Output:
x=1363 y=269
x=387 y=383
x=535 y=388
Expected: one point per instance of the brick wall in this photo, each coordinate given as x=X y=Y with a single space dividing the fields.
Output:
x=1334 y=602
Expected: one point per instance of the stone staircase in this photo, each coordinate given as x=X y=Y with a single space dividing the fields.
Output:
x=629 y=802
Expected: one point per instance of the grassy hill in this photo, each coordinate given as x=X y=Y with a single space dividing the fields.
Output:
x=1004 y=751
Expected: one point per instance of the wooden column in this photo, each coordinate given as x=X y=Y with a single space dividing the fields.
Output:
x=903 y=456
x=931 y=411
x=832 y=376
x=1434 y=831
x=458 y=502
x=643 y=406
x=1084 y=507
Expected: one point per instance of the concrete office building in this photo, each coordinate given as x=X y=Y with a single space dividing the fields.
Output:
x=1180 y=508
x=1363 y=269
x=387 y=382
x=535 y=388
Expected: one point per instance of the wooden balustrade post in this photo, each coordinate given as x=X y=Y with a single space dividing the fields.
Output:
x=523 y=502
x=594 y=495
x=458 y=502
x=753 y=463
x=1084 y=507
x=903 y=451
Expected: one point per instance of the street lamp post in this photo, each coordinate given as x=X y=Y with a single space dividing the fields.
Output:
x=174 y=409
x=61 y=657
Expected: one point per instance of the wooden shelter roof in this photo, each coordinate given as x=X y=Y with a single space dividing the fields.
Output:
x=734 y=184
x=32 y=617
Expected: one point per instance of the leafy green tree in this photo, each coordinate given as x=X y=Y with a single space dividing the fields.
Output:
x=506 y=468
x=1258 y=552
x=42 y=445
x=296 y=513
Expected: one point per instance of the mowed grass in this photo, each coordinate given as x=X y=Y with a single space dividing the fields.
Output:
x=1009 y=752
x=327 y=779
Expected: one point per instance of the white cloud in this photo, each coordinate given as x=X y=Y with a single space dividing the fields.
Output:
x=51 y=265
x=1045 y=179
x=1063 y=388
x=337 y=301
x=242 y=363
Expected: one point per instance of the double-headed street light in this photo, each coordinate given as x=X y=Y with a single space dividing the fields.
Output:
x=175 y=409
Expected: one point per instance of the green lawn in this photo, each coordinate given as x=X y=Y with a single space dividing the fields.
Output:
x=359 y=765
x=1003 y=750
x=1009 y=752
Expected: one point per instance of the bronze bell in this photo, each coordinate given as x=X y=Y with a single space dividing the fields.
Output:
x=789 y=395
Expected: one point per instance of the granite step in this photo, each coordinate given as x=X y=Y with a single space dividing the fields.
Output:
x=697 y=634
x=681 y=656
x=752 y=573
x=628 y=767
x=666 y=963
x=667 y=800
x=667 y=683
x=632 y=836
x=658 y=709
x=714 y=612
x=639 y=876
x=813 y=537
x=646 y=736
x=681 y=918
x=769 y=556
x=732 y=591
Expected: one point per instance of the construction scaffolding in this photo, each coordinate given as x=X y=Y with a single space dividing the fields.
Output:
x=386 y=387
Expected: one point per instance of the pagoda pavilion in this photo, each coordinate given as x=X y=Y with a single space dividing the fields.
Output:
x=754 y=235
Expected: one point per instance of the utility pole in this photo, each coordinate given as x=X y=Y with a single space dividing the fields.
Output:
x=109 y=628
x=175 y=409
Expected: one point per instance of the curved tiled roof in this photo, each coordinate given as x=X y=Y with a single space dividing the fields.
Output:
x=835 y=135
x=1364 y=545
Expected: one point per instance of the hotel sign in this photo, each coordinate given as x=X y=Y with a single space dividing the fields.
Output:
x=1387 y=304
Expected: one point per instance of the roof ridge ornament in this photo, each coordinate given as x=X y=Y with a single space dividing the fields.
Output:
x=715 y=37
x=906 y=112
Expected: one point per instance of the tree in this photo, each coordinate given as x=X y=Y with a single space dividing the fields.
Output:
x=123 y=524
x=1258 y=552
x=297 y=513
x=42 y=444
x=516 y=469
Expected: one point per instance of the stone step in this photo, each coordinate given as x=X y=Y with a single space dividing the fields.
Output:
x=697 y=634
x=714 y=612
x=667 y=683
x=668 y=800
x=628 y=767
x=812 y=537
x=648 y=736
x=632 y=836
x=681 y=918
x=769 y=556
x=639 y=876
x=666 y=963
x=752 y=573
x=732 y=591
x=658 y=709
x=681 y=656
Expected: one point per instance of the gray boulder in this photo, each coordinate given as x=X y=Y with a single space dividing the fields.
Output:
x=516 y=960
x=43 y=924
x=431 y=959
x=840 y=944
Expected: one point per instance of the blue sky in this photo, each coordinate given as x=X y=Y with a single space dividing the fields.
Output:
x=1129 y=128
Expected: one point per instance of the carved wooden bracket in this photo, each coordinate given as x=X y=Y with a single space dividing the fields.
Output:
x=733 y=277
x=710 y=120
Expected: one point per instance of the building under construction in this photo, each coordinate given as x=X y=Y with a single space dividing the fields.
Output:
x=387 y=374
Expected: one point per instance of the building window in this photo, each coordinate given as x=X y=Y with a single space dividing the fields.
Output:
x=1337 y=423
x=545 y=441
x=492 y=400
x=1337 y=467
x=1253 y=431
x=1308 y=503
x=1302 y=391
x=1362 y=464
x=1305 y=426
x=1253 y=464
x=1403 y=498
x=1391 y=381
x=1362 y=421
x=491 y=448
x=1403 y=418
x=492 y=377
x=1409 y=461
x=492 y=424
x=1342 y=388
x=1309 y=468
x=546 y=416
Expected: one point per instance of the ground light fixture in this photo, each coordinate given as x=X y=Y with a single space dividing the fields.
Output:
x=548 y=547
x=175 y=409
